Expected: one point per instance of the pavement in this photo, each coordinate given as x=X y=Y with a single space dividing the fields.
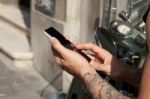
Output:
x=26 y=84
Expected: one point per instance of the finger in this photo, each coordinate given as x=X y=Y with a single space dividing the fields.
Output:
x=100 y=67
x=57 y=46
x=67 y=37
x=95 y=49
x=92 y=57
x=57 y=56
x=55 y=52
x=58 y=60
x=74 y=43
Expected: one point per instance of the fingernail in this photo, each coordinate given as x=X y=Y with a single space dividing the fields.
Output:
x=52 y=39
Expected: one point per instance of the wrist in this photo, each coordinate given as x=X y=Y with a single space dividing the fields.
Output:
x=86 y=73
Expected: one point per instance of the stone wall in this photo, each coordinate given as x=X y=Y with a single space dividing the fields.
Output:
x=12 y=2
x=75 y=18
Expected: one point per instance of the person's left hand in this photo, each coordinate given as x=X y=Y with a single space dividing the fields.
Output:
x=69 y=60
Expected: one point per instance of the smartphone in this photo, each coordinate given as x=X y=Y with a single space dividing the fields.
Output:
x=52 y=32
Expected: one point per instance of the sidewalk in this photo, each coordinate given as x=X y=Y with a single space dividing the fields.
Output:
x=20 y=84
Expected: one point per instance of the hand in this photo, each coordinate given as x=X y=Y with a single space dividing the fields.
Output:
x=102 y=60
x=69 y=60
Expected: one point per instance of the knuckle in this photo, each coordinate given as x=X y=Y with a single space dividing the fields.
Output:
x=90 y=44
x=57 y=61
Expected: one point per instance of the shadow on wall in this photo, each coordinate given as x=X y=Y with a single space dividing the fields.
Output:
x=25 y=6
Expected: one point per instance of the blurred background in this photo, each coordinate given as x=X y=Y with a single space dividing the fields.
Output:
x=27 y=67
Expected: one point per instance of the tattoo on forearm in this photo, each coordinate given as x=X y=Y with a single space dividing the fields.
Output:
x=102 y=88
x=99 y=94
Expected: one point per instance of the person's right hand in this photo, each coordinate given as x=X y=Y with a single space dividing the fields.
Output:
x=102 y=60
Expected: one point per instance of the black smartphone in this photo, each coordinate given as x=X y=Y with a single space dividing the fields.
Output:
x=52 y=32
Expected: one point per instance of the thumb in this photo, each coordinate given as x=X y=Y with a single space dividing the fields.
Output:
x=99 y=66
x=57 y=45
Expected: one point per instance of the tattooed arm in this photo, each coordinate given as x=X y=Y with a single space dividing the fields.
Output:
x=99 y=88
x=78 y=66
x=104 y=61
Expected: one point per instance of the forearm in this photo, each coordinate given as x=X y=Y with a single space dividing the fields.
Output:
x=134 y=76
x=131 y=75
x=125 y=73
x=145 y=84
x=99 y=88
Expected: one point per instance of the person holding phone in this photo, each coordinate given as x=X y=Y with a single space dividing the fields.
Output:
x=102 y=60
